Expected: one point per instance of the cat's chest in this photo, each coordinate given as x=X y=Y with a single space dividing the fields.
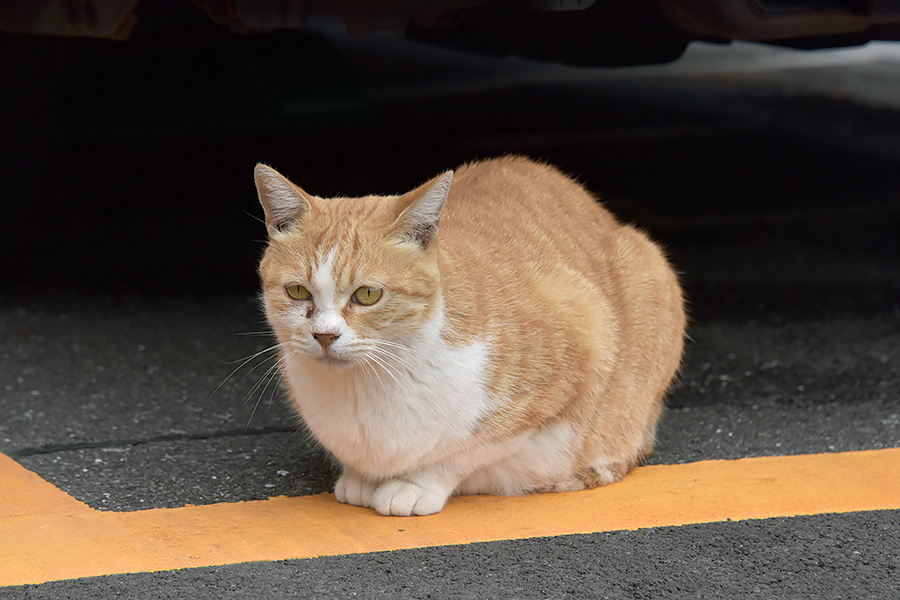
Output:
x=382 y=420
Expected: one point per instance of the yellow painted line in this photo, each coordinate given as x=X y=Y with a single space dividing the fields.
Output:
x=78 y=543
x=24 y=494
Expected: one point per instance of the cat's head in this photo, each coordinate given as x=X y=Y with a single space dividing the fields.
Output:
x=350 y=280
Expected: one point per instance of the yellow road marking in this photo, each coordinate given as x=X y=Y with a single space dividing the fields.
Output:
x=24 y=494
x=65 y=539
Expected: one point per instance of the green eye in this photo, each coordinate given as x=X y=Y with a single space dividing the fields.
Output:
x=367 y=296
x=298 y=292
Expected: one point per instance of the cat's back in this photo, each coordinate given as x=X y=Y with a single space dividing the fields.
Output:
x=571 y=302
x=519 y=208
x=510 y=216
x=525 y=236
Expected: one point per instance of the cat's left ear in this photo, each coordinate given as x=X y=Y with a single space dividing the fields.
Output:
x=421 y=215
x=283 y=202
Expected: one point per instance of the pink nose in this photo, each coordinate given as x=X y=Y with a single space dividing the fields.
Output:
x=326 y=339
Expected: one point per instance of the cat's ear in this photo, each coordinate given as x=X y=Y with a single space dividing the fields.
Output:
x=421 y=210
x=283 y=202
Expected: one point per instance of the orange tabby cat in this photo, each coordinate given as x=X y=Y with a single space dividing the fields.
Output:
x=502 y=334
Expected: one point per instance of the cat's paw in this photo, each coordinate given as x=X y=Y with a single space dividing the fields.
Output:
x=403 y=498
x=353 y=489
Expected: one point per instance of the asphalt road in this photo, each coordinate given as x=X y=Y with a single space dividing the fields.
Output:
x=771 y=178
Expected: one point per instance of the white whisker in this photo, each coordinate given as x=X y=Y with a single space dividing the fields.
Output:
x=391 y=370
x=392 y=345
x=370 y=370
x=260 y=333
x=393 y=356
x=244 y=361
x=269 y=372
x=384 y=367
x=269 y=376
x=258 y=365
x=247 y=359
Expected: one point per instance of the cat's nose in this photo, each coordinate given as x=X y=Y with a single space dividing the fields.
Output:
x=326 y=339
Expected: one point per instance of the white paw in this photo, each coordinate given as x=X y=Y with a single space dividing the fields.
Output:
x=402 y=499
x=352 y=489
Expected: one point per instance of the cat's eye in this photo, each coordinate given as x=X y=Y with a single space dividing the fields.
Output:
x=367 y=296
x=298 y=292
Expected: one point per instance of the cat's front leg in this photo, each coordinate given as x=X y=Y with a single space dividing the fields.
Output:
x=353 y=488
x=419 y=494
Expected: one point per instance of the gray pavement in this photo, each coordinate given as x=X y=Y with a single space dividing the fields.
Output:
x=773 y=190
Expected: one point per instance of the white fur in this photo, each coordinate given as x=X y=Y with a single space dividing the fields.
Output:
x=401 y=415
x=425 y=404
x=323 y=279
x=326 y=318
x=534 y=459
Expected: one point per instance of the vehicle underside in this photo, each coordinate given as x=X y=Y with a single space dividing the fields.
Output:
x=578 y=32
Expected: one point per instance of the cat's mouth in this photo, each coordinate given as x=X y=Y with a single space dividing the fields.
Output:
x=333 y=360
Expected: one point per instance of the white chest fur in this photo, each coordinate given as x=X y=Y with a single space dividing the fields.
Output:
x=420 y=409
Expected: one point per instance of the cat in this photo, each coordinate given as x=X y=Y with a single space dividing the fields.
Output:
x=494 y=331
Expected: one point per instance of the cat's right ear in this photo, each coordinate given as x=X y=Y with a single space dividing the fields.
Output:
x=421 y=216
x=283 y=202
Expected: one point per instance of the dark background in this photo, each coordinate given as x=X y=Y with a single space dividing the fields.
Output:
x=127 y=165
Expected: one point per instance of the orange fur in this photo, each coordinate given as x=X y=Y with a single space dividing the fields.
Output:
x=581 y=319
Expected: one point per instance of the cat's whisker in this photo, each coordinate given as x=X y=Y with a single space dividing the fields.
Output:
x=280 y=365
x=276 y=373
x=269 y=376
x=408 y=363
x=370 y=370
x=391 y=370
x=391 y=344
x=256 y=366
x=244 y=361
x=247 y=359
x=254 y=217
x=375 y=369
x=399 y=377
x=273 y=373
x=384 y=358
x=391 y=347
x=272 y=368
x=393 y=356
x=261 y=333
x=282 y=345
x=259 y=364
